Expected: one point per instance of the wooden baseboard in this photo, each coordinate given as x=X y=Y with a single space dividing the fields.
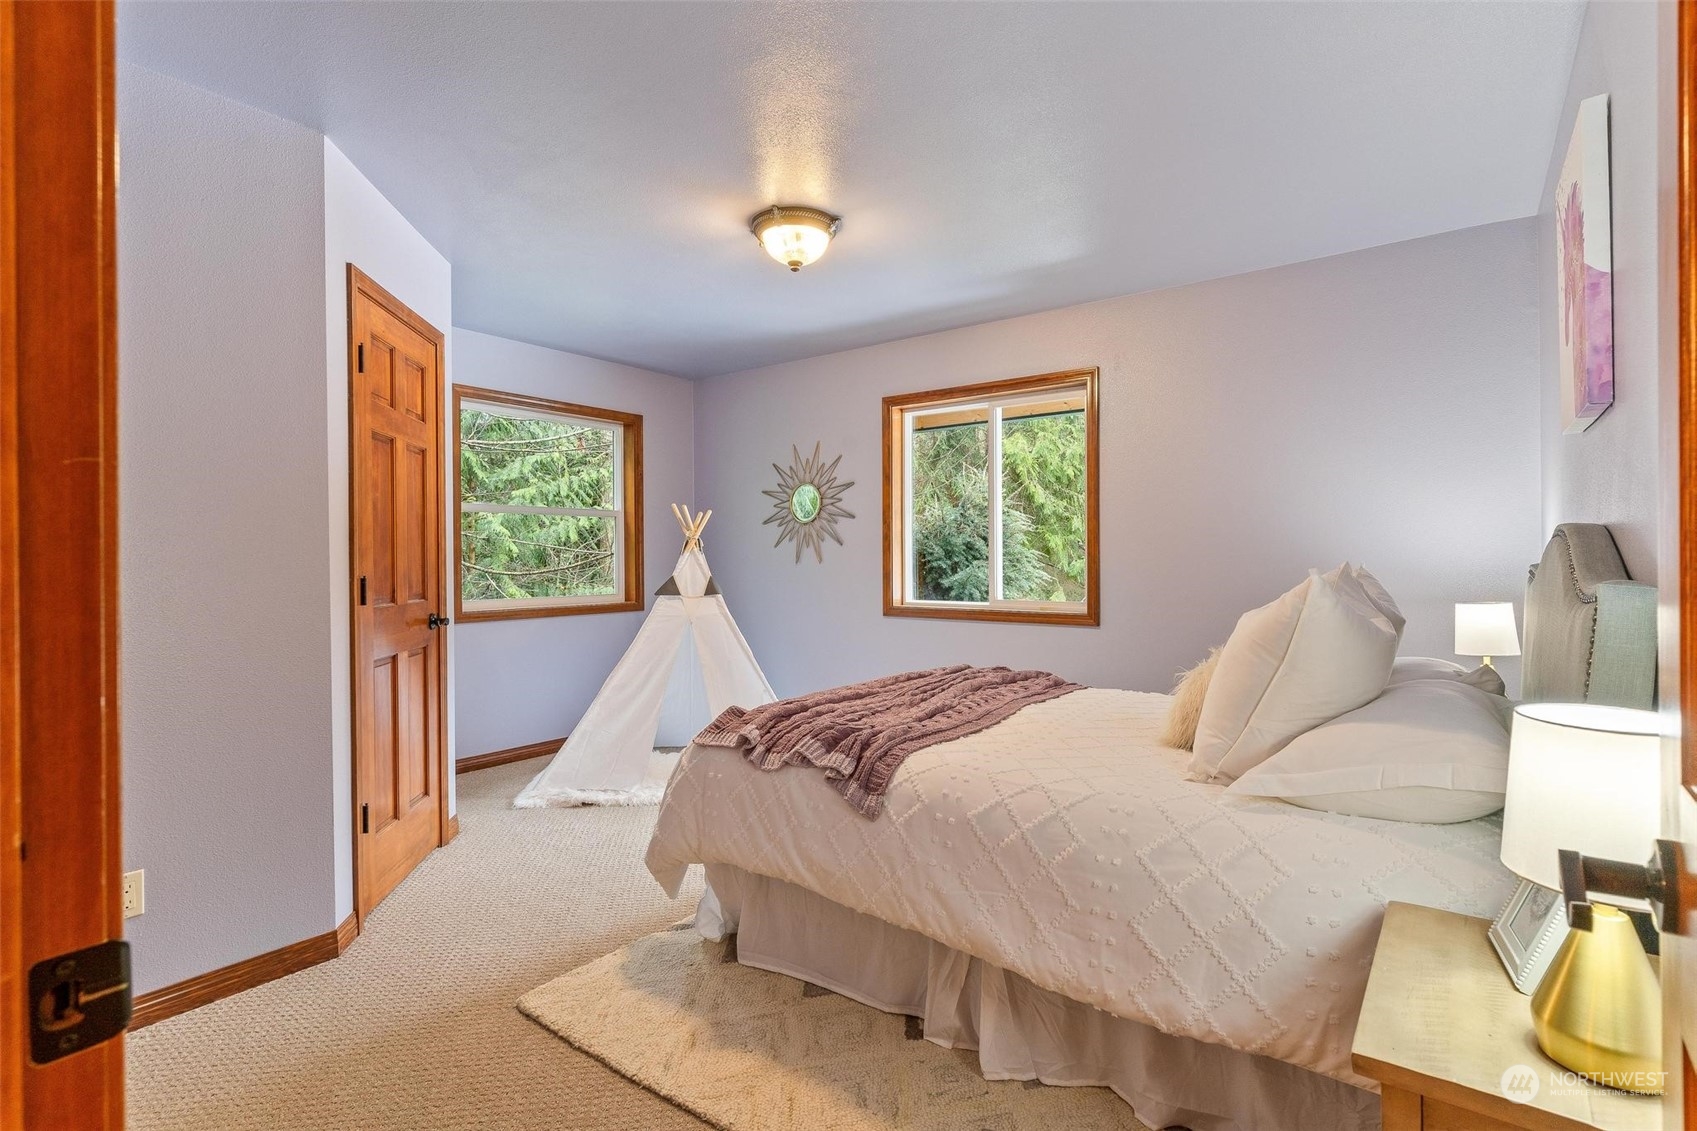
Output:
x=346 y=933
x=502 y=757
x=453 y=828
x=244 y=975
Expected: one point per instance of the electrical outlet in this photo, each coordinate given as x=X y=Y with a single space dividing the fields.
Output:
x=135 y=893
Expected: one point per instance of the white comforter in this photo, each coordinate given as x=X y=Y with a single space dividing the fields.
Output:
x=1065 y=845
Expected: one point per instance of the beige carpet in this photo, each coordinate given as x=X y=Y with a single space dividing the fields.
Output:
x=753 y=1051
x=415 y=1027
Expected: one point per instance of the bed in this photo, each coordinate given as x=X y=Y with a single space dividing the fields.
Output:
x=1054 y=893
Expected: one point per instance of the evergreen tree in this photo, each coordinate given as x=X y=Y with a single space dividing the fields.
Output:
x=517 y=461
x=1043 y=510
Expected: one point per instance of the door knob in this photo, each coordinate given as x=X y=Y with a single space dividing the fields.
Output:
x=436 y=621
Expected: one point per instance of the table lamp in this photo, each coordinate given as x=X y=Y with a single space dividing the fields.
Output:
x=1587 y=778
x=1486 y=628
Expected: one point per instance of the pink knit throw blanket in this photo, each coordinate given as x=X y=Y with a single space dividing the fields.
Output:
x=861 y=734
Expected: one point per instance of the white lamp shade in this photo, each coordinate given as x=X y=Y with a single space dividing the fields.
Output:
x=1486 y=628
x=1584 y=777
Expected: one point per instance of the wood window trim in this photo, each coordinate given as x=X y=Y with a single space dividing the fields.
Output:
x=895 y=491
x=635 y=599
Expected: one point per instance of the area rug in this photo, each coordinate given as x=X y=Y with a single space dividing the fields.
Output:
x=748 y=1050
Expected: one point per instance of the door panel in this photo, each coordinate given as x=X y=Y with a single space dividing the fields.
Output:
x=380 y=365
x=414 y=385
x=413 y=566
x=380 y=796
x=400 y=664
x=413 y=787
x=379 y=565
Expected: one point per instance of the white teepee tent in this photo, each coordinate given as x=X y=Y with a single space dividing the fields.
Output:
x=688 y=663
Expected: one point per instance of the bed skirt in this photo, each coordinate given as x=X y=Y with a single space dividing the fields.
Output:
x=1020 y=1031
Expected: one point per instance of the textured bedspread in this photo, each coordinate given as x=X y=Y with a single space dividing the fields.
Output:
x=861 y=734
x=1065 y=845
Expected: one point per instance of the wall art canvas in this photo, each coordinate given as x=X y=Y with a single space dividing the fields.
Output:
x=1584 y=279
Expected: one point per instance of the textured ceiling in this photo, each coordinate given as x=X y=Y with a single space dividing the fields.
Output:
x=590 y=168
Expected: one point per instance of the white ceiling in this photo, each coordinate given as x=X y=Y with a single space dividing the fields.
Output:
x=589 y=169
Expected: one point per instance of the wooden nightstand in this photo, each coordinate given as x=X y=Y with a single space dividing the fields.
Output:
x=1441 y=1025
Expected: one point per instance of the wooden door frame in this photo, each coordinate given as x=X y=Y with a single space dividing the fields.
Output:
x=1680 y=1107
x=361 y=283
x=1686 y=252
x=60 y=843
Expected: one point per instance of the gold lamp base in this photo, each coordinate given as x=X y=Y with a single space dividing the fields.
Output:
x=1598 y=1010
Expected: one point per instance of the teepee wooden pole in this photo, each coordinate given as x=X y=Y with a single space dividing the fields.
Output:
x=691 y=525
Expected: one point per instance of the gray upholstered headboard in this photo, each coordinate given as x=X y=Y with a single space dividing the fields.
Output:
x=1590 y=629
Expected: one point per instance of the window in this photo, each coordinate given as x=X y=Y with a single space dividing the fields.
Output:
x=550 y=498
x=990 y=501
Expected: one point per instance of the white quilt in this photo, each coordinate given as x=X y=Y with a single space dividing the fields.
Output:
x=1065 y=845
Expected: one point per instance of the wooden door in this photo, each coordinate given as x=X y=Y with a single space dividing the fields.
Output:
x=59 y=834
x=1679 y=940
x=395 y=426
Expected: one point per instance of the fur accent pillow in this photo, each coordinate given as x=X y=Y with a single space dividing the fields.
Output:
x=1186 y=711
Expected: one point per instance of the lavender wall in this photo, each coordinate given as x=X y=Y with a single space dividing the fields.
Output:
x=226 y=663
x=361 y=227
x=522 y=681
x=235 y=227
x=1608 y=473
x=1381 y=406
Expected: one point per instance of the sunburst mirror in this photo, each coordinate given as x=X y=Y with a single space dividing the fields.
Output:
x=808 y=503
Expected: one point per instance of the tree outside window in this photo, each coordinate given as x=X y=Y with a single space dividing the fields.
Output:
x=547 y=524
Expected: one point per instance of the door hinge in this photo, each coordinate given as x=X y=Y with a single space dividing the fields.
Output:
x=365 y=818
x=362 y=589
x=78 y=1000
x=360 y=351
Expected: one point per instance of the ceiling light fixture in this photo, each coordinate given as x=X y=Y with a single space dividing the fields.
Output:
x=794 y=237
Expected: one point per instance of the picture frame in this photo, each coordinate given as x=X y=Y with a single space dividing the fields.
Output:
x=1528 y=932
x=1585 y=271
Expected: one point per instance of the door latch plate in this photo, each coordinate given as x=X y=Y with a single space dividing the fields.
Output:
x=78 y=1000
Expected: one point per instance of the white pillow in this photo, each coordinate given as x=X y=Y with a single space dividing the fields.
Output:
x=1410 y=804
x=1320 y=650
x=1378 y=595
x=1428 y=750
x=1425 y=667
